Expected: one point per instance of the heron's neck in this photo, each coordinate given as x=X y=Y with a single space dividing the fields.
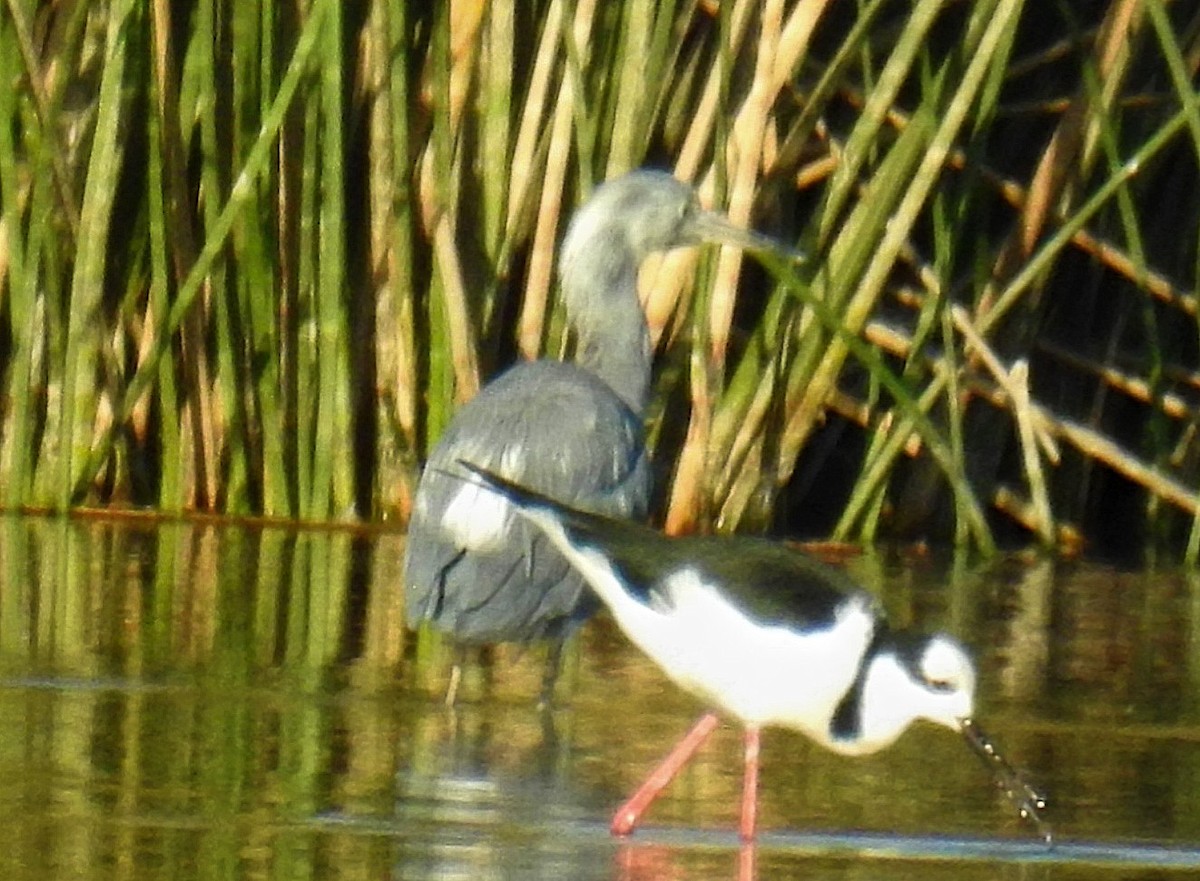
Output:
x=622 y=361
x=599 y=287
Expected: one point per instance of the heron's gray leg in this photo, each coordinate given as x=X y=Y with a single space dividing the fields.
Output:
x=554 y=656
x=456 y=669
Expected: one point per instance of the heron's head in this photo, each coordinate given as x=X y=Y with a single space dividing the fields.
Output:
x=629 y=217
x=646 y=211
x=624 y=221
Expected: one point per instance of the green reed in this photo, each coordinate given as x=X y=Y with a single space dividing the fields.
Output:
x=255 y=256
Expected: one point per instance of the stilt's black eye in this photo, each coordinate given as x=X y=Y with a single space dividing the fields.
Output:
x=945 y=669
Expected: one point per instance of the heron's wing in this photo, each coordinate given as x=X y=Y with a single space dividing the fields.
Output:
x=557 y=429
x=472 y=566
x=493 y=597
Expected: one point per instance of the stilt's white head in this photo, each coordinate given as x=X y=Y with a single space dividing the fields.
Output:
x=929 y=677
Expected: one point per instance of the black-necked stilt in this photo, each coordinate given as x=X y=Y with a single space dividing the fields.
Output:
x=572 y=431
x=769 y=636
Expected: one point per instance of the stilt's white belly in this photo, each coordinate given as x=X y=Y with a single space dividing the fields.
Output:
x=761 y=675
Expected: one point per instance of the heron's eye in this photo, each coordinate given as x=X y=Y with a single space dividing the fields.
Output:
x=942 y=686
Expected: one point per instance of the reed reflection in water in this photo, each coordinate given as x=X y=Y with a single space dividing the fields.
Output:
x=195 y=700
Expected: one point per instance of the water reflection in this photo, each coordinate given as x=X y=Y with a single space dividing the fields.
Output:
x=194 y=700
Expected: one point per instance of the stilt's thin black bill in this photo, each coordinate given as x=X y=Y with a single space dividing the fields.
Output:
x=1027 y=800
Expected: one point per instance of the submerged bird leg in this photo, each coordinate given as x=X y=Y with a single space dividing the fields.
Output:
x=554 y=656
x=750 y=783
x=456 y=671
x=629 y=814
x=481 y=657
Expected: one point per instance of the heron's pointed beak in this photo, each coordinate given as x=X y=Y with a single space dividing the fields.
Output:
x=709 y=226
x=1027 y=800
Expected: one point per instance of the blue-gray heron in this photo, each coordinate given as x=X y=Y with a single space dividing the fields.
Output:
x=573 y=431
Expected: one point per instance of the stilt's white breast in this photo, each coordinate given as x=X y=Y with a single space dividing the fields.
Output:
x=763 y=674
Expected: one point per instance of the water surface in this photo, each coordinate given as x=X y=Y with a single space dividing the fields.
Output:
x=190 y=700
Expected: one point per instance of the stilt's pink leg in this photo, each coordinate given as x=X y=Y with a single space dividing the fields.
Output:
x=629 y=814
x=750 y=784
